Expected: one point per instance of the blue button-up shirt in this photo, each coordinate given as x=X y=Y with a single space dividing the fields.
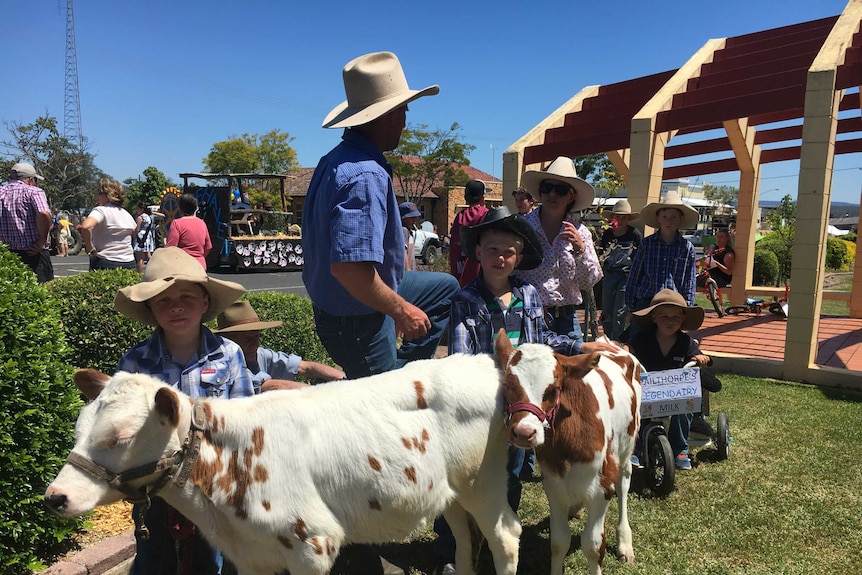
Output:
x=658 y=265
x=218 y=369
x=350 y=215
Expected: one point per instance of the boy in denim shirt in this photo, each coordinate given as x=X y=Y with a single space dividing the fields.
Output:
x=176 y=296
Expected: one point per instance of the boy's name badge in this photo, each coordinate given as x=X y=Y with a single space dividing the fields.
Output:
x=208 y=371
x=670 y=392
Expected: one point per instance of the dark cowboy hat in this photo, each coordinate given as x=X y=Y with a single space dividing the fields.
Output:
x=501 y=219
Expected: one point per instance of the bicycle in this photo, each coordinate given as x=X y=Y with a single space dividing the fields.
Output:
x=705 y=284
x=781 y=306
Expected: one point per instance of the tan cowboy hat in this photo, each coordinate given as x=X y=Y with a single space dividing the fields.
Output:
x=622 y=208
x=693 y=315
x=374 y=84
x=562 y=169
x=502 y=219
x=240 y=316
x=690 y=217
x=167 y=267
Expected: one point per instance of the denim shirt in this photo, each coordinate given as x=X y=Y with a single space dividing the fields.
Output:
x=218 y=370
x=471 y=331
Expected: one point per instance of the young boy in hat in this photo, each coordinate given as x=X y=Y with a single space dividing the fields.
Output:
x=501 y=243
x=176 y=296
x=269 y=369
x=618 y=244
x=665 y=259
x=662 y=344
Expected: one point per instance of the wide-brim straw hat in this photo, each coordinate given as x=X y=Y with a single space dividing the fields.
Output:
x=622 y=208
x=562 y=169
x=374 y=85
x=502 y=219
x=240 y=316
x=167 y=267
x=693 y=315
x=649 y=213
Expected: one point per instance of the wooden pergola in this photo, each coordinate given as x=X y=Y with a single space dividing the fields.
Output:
x=794 y=81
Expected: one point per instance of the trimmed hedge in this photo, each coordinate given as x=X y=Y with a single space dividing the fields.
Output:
x=38 y=412
x=97 y=334
x=765 y=267
x=784 y=254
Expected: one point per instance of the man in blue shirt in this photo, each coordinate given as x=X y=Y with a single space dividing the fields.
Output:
x=352 y=237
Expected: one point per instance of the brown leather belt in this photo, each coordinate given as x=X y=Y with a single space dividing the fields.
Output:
x=561 y=311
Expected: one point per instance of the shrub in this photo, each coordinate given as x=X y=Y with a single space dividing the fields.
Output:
x=775 y=243
x=836 y=254
x=765 y=267
x=38 y=412
x=851 y=254
x=96 y=332
x=297 y=334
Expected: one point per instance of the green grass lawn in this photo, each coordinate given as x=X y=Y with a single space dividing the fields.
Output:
x=786 y=501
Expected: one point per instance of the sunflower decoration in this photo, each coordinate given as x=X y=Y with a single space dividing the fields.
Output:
x=170 y=205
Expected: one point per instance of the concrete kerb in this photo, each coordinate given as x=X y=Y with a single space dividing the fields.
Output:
x=112 y=556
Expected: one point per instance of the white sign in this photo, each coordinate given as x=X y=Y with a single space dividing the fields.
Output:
x=670 y=392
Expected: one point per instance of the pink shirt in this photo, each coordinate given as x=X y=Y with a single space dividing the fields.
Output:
x=191 y=235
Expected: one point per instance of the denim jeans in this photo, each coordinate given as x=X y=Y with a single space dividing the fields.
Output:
x=365 y=344
x=158 y=554
x=568 y=325
x=614 y=304
x=103 y=264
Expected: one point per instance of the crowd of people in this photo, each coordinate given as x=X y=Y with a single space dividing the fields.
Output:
x=525 y=273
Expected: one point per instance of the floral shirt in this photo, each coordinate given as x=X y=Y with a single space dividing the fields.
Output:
x=562 y=275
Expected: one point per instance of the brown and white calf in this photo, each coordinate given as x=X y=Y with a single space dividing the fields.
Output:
x=283 y=480
x=584 y=435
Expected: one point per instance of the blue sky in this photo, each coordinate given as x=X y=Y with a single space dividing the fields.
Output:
x=160 y=81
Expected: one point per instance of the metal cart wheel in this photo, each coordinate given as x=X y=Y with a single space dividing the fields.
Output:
x=660 y=467
x=722 y=439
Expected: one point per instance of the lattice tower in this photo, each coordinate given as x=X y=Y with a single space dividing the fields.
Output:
x=72 y=101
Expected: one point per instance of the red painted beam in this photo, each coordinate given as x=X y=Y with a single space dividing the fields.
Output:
x=731 y=108
x=779 y=154
x=699 y=169
x=709 y=79
x=742 y=88
x=778 y=135
x=790 y=29
x=697 y=148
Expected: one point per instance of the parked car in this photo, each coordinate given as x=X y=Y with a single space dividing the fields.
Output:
x=696 y=237
x=427 y=244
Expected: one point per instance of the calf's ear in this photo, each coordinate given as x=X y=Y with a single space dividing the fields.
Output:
x=91 y=382
x=168 y=406
x=503 y=348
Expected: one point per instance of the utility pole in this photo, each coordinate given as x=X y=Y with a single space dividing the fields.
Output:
x=72 y=101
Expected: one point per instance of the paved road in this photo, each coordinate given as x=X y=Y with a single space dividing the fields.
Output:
x=253 y=280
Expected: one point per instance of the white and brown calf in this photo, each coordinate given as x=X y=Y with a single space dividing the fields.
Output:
x=283 y=480
x=584 y=435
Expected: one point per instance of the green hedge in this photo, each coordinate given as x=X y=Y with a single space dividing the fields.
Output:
x=97 y=334
x=783 y=252
x=38 y=411
x=765 y=268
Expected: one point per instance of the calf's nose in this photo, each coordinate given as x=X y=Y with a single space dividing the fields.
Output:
x=55 y=502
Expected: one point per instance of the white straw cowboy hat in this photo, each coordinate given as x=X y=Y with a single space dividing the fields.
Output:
x=622 y=208
x=166 y=268
x=693 y=315
x=240 y=316
x=562 y=169
x=374 y=85
x=671 y=199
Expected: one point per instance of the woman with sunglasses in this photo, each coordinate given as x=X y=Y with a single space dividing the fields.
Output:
x=570 y=264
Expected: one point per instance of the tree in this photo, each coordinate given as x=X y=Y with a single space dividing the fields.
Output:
x=425 y=160
x=598 y=170
x=720 y=195
x=270 y=153
x=70 y=173
x=782 y=222
x=149 y=190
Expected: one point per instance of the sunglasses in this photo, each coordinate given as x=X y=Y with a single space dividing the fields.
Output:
x=559 y=189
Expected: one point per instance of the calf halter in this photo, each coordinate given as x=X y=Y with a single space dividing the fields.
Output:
x=177 y=466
